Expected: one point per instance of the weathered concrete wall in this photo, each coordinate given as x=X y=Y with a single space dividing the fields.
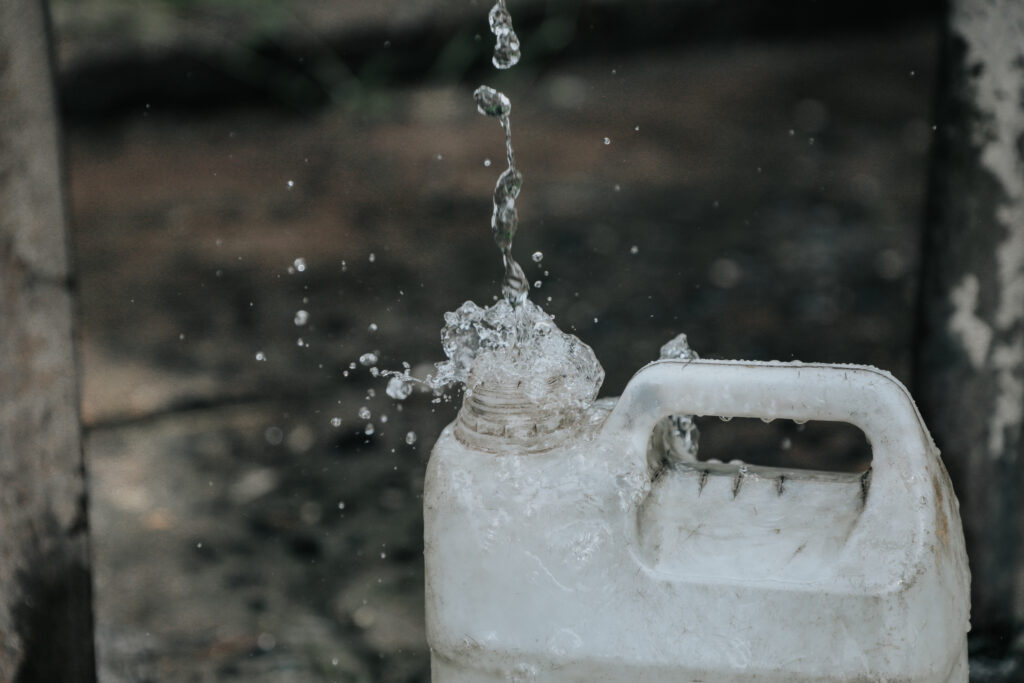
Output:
x=45 y=610
x=971 y=368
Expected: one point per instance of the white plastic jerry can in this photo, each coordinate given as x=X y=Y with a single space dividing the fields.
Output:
x=554 y=552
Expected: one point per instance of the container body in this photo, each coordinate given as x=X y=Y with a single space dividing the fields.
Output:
x=578 y=563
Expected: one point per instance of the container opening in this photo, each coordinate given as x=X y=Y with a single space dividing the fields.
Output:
x=814 y=445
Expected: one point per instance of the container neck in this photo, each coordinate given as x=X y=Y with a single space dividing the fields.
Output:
x=498 y=418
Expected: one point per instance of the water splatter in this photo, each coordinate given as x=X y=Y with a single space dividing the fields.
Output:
x=512 y=342
x=399 y=387
x=517 y=345
x=678 y=433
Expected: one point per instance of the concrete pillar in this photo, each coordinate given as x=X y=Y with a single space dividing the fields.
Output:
x=45 y=584
x=970 y=369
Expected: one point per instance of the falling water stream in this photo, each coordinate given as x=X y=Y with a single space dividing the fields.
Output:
x=514 y=341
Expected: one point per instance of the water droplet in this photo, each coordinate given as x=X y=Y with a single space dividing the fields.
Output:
x=607 y=141
x=368 y=429
x=410 y=438
x=491 y=102
x=300 y=343
x=637 y=129
x=634 y=250
x=487 y=163
x=181 y=337
x=399 y=388
x=506 y=46
x=273 y=435
x=537 y=284
x=266 y=642
x=367 y=359
x=786 y=444
x=260 y=356
x=335 y=421
x=439 y=157
x=300 y=264
x=372 y=257
x=725 y=418
x=792 y=132
x=301 y=318
x=678 y=348
x=291 y=184
x=372 y=327
x=341 y=505
x=364 y=413
x=725 y=273
x=538 y=256
x=617 y=187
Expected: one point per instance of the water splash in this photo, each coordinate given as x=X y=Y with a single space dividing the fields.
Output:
x=677 y=348
x=516 y=345
x=512 y=342
x=677 y=435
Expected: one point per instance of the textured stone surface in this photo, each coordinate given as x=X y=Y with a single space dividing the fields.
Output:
x=45 y=617
x=971 y=374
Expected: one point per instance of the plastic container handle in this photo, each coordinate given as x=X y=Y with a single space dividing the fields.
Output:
x=866 y=397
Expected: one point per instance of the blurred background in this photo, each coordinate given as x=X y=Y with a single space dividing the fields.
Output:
x=264 y=191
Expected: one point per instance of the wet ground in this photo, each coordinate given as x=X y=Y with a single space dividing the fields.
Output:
x=764 y=198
